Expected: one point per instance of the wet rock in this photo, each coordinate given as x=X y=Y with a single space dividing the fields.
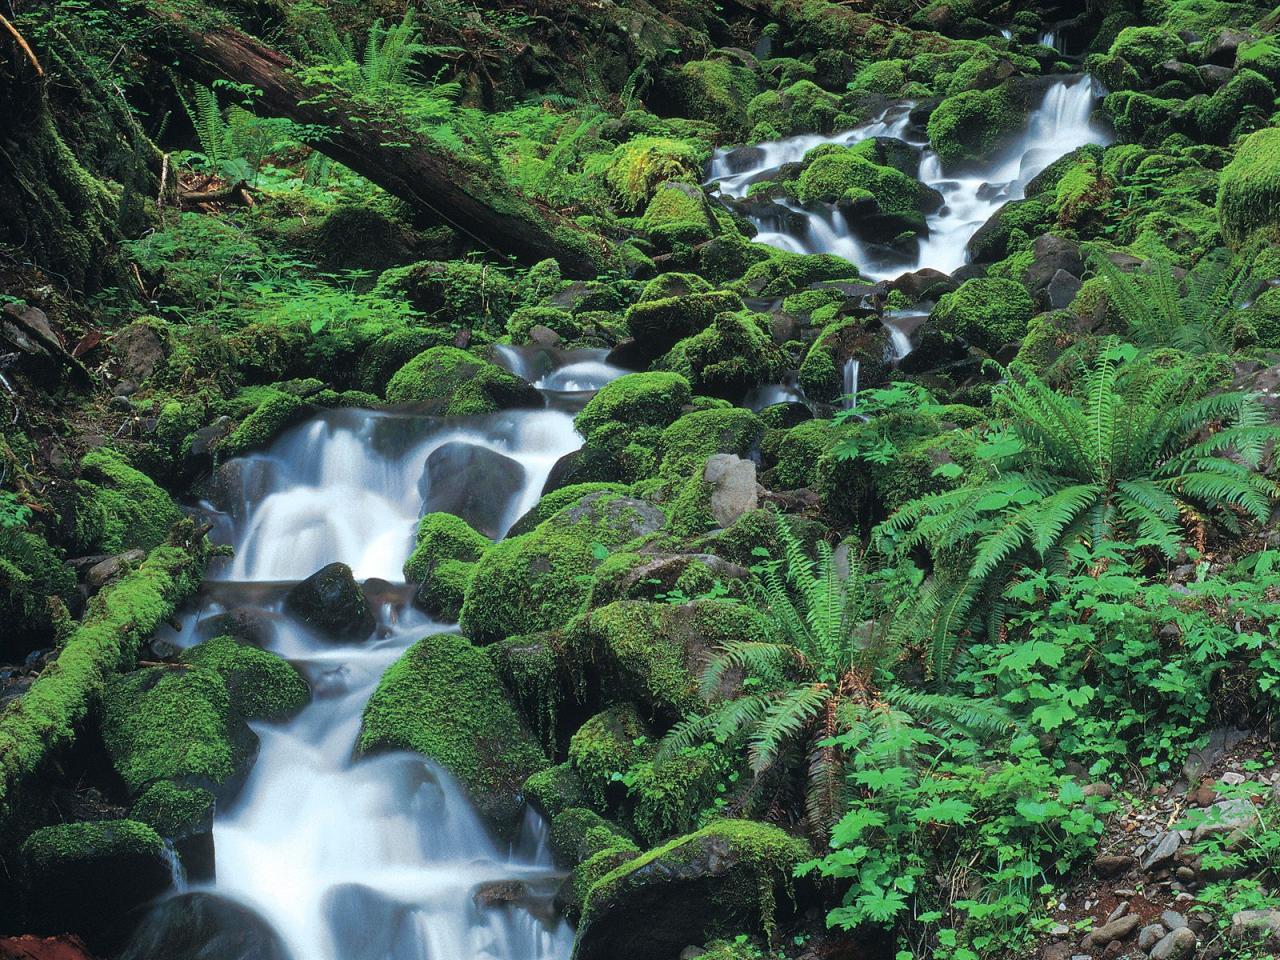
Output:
x=1116 y=930
x=1221 y=49
x=1213 y=76
x=366 y=924
x=926 y=284
x=331 y=603
x=1052 y=254
x=733 y=482
x=1179 y=944
x=93 y=878
x=471 y=482
x=43 y=948
x=139 y=350
x=1062 y=290
x=247 y=624
x=204 y=926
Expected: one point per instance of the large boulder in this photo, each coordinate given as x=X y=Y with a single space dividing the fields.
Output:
x=444 y=699
x=452 y=382
x=93 y=878
x=472 y=482
x=985 y=312
x=728 y=358
x=332 y=604
x=205 y=926
x=731 y=877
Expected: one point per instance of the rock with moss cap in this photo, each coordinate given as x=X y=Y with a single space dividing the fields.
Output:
x=444 y=699
x=802 y=107
x=592 y=847
x=35 y=581
x=92 y=878
x=120 y=507
x=554 y=789
x=635 y=168
x=379 y=362
x=703 y=433
x=443 y=536
x=556 y=500
x=539 y=580
x=784 y=273
x=717 y=90
x=677 y=216
x=261 y=685
x=455 y=293
x=985 y=312
x=657 y=323
x=729 y=357
x=636 y=400
x=730 y=876
x=182 y=816
x=974 y=125
x=1249 y=195
x=822 y=371
x=604 y=748
x=452 y=382
x=879 y=201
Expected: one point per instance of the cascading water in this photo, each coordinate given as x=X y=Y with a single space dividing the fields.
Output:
x=850 y=398
x=1059 y=125
x=377 y=858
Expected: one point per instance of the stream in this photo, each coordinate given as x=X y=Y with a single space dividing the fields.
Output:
x=380 y=858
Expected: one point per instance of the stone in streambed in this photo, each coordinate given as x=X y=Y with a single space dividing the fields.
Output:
x=205 y=926
x=471 y=482
x=332 y=604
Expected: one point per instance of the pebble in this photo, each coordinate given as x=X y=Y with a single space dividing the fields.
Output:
x=1185 y=874
x=1173 y=920
x=1121 y=909
x=1150 y=935
x=1111 y=931
x=1232 y=779
x=1060 y=930
x=1180 y=944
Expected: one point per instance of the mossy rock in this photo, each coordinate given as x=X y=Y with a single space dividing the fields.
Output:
x=539 y=580
x=92 y=878
x=822 y=371
x=652 y=654
x=636 y=399
x=120 y=508
x=678 y=215
x=269 y=418
x=455 y=293
x=359 y=237
x=1148 y=47
x=802 y=107
x=728 y=358
x=974 y=125
x=1143 y=118
x=792 y=454
x=1249 y=195
x=389 y=353
x=553 y=790
x=986 y=312
x=443 y=536
x=604 y=748
x=1240 y=106
x=262 y=686
x=556 y=500
x=561 y=322
x=656 y=324
x=695 y=436
x=730 y=876
x=592 y=847
x=444 y=699
x=451 y=382
x=183 y=816
x=444 y=588
x=32 y=577
x=635 y=169
x=883 y=202
x=717 y=91
x=785 y=273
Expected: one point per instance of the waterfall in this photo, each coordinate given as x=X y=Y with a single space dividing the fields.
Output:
x=850 y=397
x=1049 y=39
x=377 y=858
x=1060 y=124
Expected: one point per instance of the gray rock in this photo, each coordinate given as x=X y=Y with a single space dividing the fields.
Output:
x=1150 y=935
x=1173 y=920
x=733 y=482
x=1179 y=944
x=139 y=350
x=1120 y=910
x=100 y=574
x=1221 y=739
x=1227 y=816
x=1118 y=929
x=1111 y=865
x=1162 y=851
x=1250 y=925
x=1061 y=290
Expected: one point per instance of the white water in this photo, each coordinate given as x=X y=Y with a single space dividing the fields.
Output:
x=850 y=396
x=1059 y=125
x=379 y=858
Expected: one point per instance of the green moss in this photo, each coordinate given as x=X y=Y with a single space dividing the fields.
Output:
x=526 y=318
x=172 y=810
x=50 y=848
x=846 y=175
x=634 y=169
x=120 y=507
x=260 y=427
x=443 y=536
x=695 y=436
x=716 y=91
x=672 y=796
x=793 y=454
x=1249 y=195
x=557 y=500
x=173 y=724
x=1238 y=107
x=32 y=577
x=664 y=321
x=118 y=619
x=987 y=313
x=1261 y=55
x=553 y=791
x=690 y=508
x=729 y=357
x=1148 y=47
x=728 y=257
x=677 y=215
x=786 y=273
x=454 y=293
x=444 y=588
x=649 y=399
x=973 y=125
x=578 y=834
x=1146 y=119
x=262 y=686
x=604 y=748
x=443 y=698
x=821 y=372
x=803 y=107
x=452 y=382
x=886 y=77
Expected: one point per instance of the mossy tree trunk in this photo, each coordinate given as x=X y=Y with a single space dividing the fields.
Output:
x=373 y=142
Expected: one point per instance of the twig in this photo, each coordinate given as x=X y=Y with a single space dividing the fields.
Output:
x=22 y=45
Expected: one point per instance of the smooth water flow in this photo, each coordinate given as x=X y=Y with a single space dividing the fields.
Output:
x=380 y=858
x=1059 y=125
x=850 y=397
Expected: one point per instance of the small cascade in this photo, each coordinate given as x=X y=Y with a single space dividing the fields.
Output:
x=1049 y=38
x=900 y=325
x=1059 y=125
x=177 y=872
x=383 y=857
x=849 y=400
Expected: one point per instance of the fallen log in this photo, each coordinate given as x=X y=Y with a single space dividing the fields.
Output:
x=374 y=142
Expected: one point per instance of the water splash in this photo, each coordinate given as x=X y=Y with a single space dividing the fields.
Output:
x=849 y=400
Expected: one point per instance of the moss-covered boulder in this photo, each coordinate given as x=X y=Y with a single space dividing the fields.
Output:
x=985 y=312
x=881 y=202
x=442 y=536
x=716 y=90
x=1147 y=47
x=120 y=507
x=261 y=685
x=554 y=789
x=728 y=358
x=92 y=878
x=379 y=362
x=784 y=273
x=592 y=847
x=604 y=748
x=554 y=501
x=651 y=654
x=444 y=699
x=678 y=215
x=729 y=877
x=791 y=455
x=455 y=293
x=452 y=382
x=183 y=816
x=33 y=577
x=801 y=107
x=827 y=364
x=688 y=442
x=637 y=400
x=658 y=323
x=974 y=125
x=538 y=580
x=1249 y=196
x=634 y=169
